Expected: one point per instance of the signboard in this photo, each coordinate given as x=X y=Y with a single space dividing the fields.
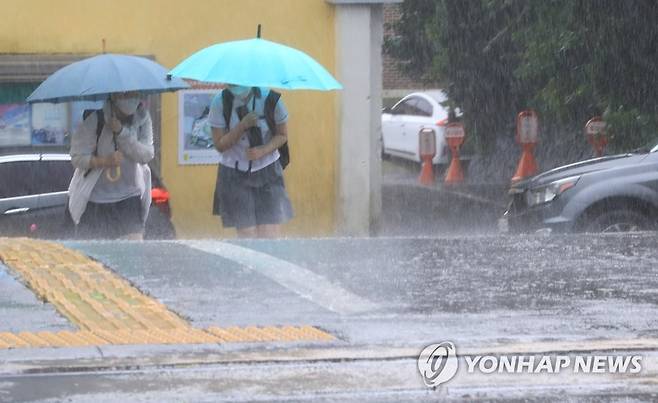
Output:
x=527 y=127
x=595 y=127
x=195 y=144
x=15 y=125
x=427 y=142
x=455 y=130
x=25 y=125
x=50 y=123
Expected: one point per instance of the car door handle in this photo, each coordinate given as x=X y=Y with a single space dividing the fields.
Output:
x=18 y=210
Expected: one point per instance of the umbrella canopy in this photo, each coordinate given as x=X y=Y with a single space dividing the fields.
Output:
x=93 y=79
x=256 y=63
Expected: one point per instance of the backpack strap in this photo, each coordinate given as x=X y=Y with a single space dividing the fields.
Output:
x=227 y=106
x=100 y=122
x=270 y=105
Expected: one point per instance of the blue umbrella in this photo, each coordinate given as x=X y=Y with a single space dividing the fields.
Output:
x=93 y=79
x=256 y=63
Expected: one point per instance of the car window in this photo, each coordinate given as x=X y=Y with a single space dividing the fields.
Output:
x=424 y=107
x=411 y=107
x=405 y=107
x=16 y=178
x=53 y=176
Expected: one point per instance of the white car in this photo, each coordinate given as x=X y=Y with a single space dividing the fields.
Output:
x=402 y=122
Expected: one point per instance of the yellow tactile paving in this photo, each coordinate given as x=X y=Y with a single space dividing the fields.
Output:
x=108 y=309
x=12 y=340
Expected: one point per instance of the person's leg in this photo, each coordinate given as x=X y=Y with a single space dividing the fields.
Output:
x=269 y=231
x=248 y=232
x=236 y=204
x=137 y=236
x=93 y=223
x=127 y=219
x=273 y=208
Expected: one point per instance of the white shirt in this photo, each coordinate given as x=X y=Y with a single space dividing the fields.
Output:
x=238 y=153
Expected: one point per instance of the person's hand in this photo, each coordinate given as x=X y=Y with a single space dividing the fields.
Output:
x=256 y=153
x=114 y=159
x=115 y=125
x=249 y=120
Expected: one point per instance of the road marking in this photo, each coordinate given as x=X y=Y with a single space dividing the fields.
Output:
x=108 y=309
x=302 y=281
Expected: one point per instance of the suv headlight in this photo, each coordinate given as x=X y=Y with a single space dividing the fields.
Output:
x=548 y=193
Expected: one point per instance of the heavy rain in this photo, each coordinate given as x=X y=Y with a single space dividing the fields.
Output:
x=329 y=200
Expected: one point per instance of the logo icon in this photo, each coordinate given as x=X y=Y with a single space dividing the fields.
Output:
x=438 y=363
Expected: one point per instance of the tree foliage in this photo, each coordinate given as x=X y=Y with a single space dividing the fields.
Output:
x=567 y=59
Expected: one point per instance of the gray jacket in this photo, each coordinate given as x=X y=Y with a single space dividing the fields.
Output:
x=135 y=142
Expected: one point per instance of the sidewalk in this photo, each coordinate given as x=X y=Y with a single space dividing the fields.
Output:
x=106 y=308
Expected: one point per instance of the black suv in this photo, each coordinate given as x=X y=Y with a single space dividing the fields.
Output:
x=610 y=194
x=34 y=192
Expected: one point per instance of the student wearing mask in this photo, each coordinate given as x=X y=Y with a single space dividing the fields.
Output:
x=110 y=192
x=250 y=193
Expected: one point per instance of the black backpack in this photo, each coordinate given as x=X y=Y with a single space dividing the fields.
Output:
x=270 y=104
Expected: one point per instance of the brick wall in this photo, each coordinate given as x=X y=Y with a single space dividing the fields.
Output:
x=393 y=78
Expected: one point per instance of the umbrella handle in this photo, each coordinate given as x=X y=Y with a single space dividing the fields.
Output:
x=115 y=177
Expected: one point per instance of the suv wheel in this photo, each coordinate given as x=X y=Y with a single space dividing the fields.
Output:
x=619 y=221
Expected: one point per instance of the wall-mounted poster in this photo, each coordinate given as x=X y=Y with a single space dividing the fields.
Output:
x=50 y=124
x=195 y=145
x=14 y=125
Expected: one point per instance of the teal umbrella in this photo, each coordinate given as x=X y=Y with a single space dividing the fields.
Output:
x=94 y=78
x=256 y=63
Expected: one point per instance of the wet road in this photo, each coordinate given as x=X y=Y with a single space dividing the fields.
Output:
x=351 y=381
x=384 y=300
x=471 y=289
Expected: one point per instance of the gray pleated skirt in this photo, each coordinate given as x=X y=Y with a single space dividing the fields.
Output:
x=248 y=199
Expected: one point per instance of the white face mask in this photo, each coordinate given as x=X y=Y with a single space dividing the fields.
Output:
x=127 y=105
x=240 y=91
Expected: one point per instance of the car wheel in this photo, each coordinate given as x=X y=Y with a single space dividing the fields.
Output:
x=619 y=221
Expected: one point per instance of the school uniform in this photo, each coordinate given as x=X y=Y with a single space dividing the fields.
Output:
x=249 y=193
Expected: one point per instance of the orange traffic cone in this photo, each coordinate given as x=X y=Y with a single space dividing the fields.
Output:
x=596 y=135
x=598 y=143
x=527 y=164
x=454 y=174
x=426 y=177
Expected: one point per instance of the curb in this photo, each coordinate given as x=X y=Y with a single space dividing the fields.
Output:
x=116 y=358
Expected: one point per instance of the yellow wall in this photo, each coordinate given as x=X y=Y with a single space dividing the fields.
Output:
x=170 y=30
